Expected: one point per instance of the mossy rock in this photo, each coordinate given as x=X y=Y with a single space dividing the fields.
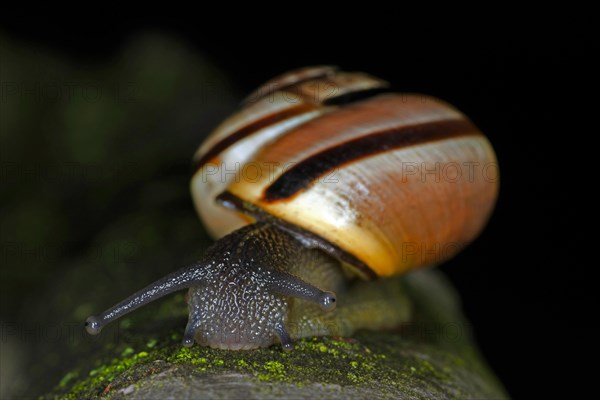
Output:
x=431 y=357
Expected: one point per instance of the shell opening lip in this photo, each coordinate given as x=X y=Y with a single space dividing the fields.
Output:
x=309 y=239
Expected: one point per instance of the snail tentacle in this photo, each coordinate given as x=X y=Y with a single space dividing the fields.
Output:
x=289 y=285
x=178 y=280
x=190 y=330
x=284 y=337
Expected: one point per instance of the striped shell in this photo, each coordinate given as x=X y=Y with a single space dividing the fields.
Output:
x=385 y=182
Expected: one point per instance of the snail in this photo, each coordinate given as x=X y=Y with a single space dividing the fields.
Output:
x=323 y=186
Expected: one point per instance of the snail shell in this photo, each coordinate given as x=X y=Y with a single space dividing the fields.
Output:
x=387 y=183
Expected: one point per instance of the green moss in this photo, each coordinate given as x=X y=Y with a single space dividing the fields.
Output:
x=426 y=369
x=103 y=375
x=121 y=367
x=128 y=351
x=189 y=356
x=305 y=364
x=353 y=377
x=275 y=372
x=67 y=378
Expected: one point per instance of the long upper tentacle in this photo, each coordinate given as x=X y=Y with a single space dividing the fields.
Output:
x=181 y=279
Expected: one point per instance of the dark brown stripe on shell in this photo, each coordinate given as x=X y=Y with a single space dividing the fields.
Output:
x=247 y=130
x=289 y=80
x=309 y=239
x=355 y=97
x=301 y=175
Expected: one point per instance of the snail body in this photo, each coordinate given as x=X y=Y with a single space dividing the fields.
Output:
x=323 y=177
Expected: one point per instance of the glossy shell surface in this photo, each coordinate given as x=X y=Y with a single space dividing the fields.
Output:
x=393 y=181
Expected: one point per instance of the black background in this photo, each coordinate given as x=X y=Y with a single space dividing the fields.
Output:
x=525 y=80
